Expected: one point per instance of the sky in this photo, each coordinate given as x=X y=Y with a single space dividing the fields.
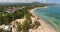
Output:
x=53 y=1
x=25 y=1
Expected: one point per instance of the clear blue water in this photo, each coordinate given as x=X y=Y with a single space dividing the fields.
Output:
x=50 y=15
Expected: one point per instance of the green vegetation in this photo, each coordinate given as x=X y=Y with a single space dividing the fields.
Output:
x=2 y=8
x=23 y=27
x=4 y=18
x=27 y=25
x=19 y=27
x=37 y=23
x=7 y=18
x=2 y=30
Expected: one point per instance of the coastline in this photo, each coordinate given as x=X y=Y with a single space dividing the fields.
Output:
x=45 y=27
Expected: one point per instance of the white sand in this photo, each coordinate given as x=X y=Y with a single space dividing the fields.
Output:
x=14 y=23
x=44 y=26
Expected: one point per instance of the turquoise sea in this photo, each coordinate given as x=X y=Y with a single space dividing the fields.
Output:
x=51 y=15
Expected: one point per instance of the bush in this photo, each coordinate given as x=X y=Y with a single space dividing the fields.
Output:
x=37 y=23
x=33 y=25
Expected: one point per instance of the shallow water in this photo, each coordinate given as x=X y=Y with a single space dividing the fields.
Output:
x=51 y=15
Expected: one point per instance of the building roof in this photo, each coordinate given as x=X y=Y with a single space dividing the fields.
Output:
x=7 y=27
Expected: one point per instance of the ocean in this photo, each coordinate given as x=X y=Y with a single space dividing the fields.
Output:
x=51 y=15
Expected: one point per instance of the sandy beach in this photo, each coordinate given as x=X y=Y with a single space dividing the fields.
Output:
x=45 y=27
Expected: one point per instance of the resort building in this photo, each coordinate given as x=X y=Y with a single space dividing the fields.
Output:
x=8 y=28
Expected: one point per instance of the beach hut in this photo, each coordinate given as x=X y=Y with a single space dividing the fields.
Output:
x=8 y=28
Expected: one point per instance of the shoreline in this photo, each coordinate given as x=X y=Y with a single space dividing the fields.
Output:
x=43 y=23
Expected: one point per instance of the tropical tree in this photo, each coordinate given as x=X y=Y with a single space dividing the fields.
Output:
x=19 y=27
x=26 y=25
x=5 y=17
